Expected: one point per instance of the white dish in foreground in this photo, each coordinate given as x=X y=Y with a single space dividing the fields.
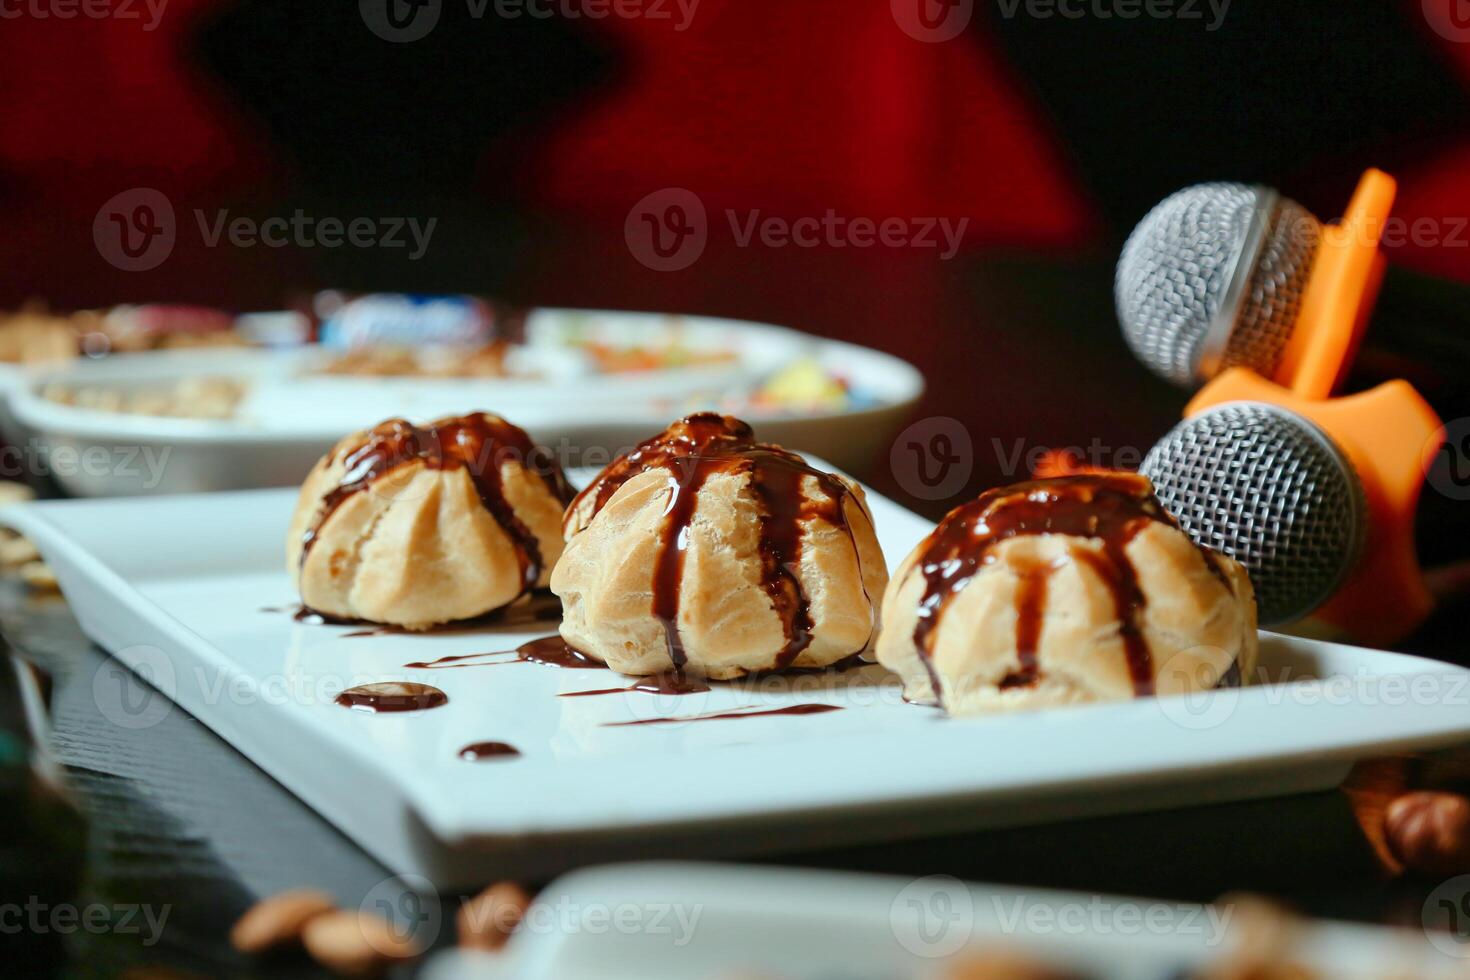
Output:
x=175 y=588
x=694 y=921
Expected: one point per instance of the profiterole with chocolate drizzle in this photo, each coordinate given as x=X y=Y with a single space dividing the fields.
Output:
x=1062 y=591
x=706 y=552
x=420 y=525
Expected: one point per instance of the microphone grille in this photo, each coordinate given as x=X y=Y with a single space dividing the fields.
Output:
x=1175 y=271
x=1183 y=296
x=1271 y=490
x=1272 y=298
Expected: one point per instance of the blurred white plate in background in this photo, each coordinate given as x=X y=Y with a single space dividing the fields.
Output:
x=290 y=414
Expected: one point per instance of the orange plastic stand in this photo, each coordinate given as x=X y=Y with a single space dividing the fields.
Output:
x=1391 y=436
x=1341 y=291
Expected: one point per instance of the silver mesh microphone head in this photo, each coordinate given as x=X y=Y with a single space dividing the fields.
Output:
x=1271 y=490
x=1212 y=278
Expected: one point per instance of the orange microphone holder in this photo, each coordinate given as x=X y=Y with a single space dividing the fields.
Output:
x=1342 y=287
x=1390 y=433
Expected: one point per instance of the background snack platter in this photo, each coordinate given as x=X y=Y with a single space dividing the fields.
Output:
x=191 y=593
x=289 y=412
x=788 y=924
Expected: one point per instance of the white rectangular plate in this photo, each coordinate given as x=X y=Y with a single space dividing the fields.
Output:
x=177 y=588
x=679 y=921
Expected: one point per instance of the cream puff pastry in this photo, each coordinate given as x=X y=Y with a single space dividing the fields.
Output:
x=708 y=552
x=420 y=525
x=1062 y=591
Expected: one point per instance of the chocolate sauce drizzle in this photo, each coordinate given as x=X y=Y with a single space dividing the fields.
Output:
x=550 y=650
x=1030 y=608
x=389 y=696
x=793 y=709
x=480 y=751
x=666 y=684
x=479 y=443
x=702 y=434
x=697 y=448
x=1112 y=508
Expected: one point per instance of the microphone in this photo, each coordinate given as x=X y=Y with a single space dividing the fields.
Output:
x=1316 y=498
x=1271 y=490
x=1223 y=275
x=1212 y=277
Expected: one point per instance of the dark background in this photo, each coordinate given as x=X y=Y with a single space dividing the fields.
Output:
x=530 y=139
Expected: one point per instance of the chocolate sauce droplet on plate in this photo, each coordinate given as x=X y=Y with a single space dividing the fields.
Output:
x=480 y=751
x=389 y=696
x=556 y=652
